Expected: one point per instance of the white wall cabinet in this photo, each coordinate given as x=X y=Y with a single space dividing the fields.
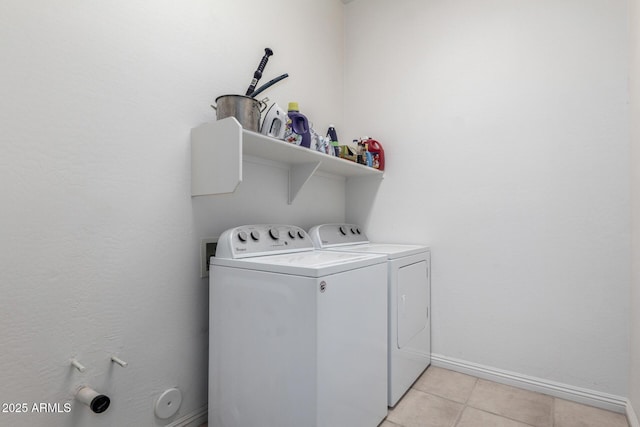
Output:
x=218 y=148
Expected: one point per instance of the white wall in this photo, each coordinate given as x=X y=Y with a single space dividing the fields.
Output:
x=505 y=125
x=634 y=72
x=100 y=237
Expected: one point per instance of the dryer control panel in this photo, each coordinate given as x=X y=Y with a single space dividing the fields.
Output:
x=262 y=239
x=328 y=235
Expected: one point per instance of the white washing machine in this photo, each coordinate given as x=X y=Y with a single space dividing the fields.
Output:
x=298 y=337
x=409 y=286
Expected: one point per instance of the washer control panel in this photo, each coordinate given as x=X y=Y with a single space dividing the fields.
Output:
x=328 y=235
x=262 y=239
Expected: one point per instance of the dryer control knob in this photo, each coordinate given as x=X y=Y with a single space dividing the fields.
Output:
x=301 y=234
x=274 y=233
x=255 y=235
x=242 y=236
x=343 y=230
x=292 y=234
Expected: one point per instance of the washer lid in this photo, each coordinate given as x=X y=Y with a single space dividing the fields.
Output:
x=310 y=264
x=392 y=251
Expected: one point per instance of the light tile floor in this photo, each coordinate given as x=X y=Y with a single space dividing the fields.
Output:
x=444 y=398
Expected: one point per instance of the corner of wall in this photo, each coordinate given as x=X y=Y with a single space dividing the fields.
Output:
x=634 y=97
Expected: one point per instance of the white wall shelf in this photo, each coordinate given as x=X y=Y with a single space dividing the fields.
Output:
x=217 y=150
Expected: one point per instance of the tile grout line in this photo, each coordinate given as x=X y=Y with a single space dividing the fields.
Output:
x=552 y=407
x=466 y=401
x=475 y=384
x=501 y=416
x=457 y=420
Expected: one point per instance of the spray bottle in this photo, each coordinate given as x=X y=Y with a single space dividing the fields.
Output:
x=333 y=137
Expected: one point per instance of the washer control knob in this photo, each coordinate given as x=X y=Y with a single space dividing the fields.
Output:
x=358 y=230
x=242 y=236
x=301 y=234
x=292 y=234
x=343 y=230
x=255 y=235
x=274 y=233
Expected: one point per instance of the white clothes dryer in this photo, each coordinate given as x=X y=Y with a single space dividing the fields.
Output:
x=409 y=287
x=298 y=337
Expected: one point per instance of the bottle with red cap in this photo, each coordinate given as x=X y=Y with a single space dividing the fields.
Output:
x=377 y=153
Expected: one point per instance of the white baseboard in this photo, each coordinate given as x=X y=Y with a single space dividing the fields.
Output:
x=194 y=419
x=631 y=416
x=563 y=391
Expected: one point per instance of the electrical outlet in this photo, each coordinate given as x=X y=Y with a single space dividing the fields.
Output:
x=207 y=250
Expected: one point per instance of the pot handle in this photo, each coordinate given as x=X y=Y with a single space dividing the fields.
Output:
x=263 y=104
x=214 y=107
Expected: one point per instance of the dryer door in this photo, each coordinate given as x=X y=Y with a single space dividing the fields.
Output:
x=413 y=301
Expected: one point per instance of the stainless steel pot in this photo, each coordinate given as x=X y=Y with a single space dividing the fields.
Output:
x=245 y=109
